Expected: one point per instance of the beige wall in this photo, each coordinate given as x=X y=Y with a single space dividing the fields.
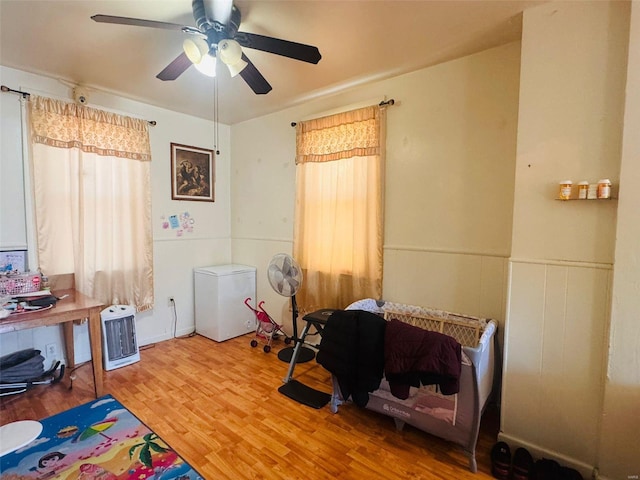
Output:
x=573 y=76
x=449 y=182
x=621 y=414
x=571 y=102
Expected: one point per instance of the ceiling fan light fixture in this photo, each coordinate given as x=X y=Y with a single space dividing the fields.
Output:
x=230 y=52
x=237 y=67
x=219 y=31
x=196 y=49
x=207 y=66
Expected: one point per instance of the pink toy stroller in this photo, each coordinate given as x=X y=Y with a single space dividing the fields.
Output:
x=266 y=327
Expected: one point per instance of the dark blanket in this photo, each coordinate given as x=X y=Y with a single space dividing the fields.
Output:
x=415 y=356
x=352 y=348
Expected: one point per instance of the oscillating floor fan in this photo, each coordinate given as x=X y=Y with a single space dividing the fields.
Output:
x=285 y=277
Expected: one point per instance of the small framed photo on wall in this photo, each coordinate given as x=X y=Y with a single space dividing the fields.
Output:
x=192 y=173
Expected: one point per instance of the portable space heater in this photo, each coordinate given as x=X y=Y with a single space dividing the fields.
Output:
x=120 y=346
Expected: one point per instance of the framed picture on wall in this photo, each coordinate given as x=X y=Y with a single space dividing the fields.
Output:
x=192 y=173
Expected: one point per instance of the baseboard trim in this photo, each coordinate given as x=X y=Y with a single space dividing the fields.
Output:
x=157 y=339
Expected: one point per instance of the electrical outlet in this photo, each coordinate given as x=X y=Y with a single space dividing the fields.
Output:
x=51 y=350
x=171 y=301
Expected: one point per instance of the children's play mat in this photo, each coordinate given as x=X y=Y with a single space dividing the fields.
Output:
x=99 y=440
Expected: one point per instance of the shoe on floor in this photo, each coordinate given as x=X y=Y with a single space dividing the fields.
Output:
x=522 y=464
x=545 y=469
x=500 y=461
x=567 y=473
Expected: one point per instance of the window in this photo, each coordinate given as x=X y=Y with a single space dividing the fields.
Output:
x=339 y=208
x=92 y=197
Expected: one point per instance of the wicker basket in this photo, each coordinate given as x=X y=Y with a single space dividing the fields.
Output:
x=466 y=331
x=21 y=283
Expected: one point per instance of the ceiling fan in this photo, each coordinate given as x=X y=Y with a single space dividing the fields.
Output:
x=219 y=39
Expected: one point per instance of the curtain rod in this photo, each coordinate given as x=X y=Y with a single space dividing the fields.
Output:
x=4 y=88
x=384 y=103
x=7 y=89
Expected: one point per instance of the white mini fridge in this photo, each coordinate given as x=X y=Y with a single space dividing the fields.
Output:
x=220 y=292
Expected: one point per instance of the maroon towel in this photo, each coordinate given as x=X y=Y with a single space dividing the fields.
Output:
x=414 y=356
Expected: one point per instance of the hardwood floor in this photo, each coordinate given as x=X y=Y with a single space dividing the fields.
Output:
x=218 y=406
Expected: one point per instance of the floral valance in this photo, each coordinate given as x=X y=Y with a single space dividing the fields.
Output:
x=68 y=125
x=344 y=135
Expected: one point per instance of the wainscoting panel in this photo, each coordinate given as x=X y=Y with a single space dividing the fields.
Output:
x=471 y=283
x=553 y=378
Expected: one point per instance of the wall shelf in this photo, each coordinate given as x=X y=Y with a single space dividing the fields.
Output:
x=586 y=199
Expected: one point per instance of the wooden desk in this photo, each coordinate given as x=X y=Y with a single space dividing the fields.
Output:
x=74 y=307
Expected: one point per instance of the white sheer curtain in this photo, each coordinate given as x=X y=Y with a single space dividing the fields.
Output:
x=338 y=234
x=91 y=176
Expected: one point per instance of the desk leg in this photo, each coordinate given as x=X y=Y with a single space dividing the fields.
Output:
x=67 y=331
x=95 y=338
x=296 y=352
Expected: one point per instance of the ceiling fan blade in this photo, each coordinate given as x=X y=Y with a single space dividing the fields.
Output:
x=137 y=22
x=175 y=68
x=254 y=78
x=297 y=51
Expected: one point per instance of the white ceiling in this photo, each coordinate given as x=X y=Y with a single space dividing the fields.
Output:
x=360 y=41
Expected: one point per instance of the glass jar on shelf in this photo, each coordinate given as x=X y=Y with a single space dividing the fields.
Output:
x=604 y=188
x=566 y=187
x=583 y=190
